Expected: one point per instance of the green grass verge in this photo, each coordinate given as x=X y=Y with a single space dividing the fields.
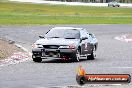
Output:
x=23 y=13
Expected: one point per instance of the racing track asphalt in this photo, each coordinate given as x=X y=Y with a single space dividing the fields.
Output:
x=113 y=56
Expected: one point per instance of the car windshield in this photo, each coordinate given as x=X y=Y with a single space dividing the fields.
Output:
x=114 y=2
x=63 y=33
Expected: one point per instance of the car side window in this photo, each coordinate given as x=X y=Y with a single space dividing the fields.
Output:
x=83 y=33
x=87 y=33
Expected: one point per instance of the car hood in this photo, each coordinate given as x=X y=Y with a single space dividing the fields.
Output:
x=57 y=41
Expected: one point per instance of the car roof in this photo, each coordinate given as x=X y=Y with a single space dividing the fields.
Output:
x=67 y=28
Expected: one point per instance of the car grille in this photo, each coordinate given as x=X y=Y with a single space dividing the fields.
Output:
x=51 y=46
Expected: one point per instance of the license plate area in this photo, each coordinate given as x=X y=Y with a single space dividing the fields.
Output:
x=51 y=54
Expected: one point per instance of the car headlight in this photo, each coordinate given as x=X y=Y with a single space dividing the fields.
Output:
x=37 y=46
x=68 y=47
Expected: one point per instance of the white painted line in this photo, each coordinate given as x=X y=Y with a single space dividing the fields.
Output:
x=92 y=85
x=71 y=3
x=19 y=46
x=120 y=67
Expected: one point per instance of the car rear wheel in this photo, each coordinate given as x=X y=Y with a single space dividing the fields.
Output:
x=92 y=56
x=37 y=59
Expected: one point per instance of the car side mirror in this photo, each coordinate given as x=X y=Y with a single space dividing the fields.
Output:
x=83 y=38
x=92 y=35
x=41 y=36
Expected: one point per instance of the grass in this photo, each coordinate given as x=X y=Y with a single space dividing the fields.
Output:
x=2 y=55
x=25 y=13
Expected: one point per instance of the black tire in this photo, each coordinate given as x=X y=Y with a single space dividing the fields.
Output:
x=38 y=59
x=92 y=56
x=76 y=56
x=81 y=80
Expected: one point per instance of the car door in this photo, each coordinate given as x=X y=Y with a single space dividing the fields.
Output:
x=94 y=40
x=86 y=45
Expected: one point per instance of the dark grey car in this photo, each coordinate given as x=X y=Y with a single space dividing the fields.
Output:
x=65 y=43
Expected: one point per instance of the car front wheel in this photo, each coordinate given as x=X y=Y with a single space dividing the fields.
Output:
x=76 y=56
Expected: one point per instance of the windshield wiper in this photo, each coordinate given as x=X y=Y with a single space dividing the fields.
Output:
x=70 y=38
x=54 y=37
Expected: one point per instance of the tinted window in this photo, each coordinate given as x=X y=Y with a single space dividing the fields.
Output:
x=63 y=33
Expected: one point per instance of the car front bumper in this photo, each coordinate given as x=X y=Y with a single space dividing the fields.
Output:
x=52 y=53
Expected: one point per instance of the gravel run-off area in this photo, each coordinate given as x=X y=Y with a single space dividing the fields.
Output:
x=10 y=53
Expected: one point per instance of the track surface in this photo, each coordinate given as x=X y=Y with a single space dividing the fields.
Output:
x=113 y=56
